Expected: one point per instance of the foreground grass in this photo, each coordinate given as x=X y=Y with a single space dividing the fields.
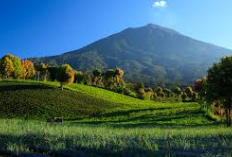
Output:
x=63 y=139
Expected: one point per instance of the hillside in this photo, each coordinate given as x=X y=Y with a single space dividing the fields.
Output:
x=152 y=54
x=85 y=104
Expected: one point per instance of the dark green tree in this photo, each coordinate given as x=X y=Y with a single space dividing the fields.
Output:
x=96 y=76
x=177 y=91
x=219 y=85
x=160 y=92
x=41 y=71
x=52 y=70
x=140 y=89
x=79 y=77
x=168 y=92
x=184 y=97
x=109 y=79
x=194 y=96
x=87 y=78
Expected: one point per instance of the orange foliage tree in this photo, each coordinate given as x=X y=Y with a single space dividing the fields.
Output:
x=28 y=69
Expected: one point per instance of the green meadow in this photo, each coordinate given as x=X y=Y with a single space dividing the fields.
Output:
x=98 y=122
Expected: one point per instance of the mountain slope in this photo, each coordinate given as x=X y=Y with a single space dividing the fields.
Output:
x=152 y=54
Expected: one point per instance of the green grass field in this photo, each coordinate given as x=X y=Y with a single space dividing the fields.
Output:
x=86 y=104
x=98 y=122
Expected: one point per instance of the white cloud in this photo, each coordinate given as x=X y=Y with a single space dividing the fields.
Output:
x=160 y=4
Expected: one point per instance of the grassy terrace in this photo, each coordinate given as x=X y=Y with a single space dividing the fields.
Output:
x=86 y=104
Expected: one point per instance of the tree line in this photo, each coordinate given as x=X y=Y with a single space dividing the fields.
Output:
x=111 y=79
x=12 y=67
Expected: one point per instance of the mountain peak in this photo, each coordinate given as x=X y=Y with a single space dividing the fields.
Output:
x=154 y=28
x=161 y=28
x=151 y=25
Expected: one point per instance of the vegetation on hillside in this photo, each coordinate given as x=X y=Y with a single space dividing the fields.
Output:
x=112 y=80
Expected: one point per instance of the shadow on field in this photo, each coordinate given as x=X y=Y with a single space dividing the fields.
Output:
x=147 y=124
x=146 y=117
x=7 y=88
x=127 y=112
x=184 y=113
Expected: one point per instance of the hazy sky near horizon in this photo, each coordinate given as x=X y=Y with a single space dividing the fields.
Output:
x=32 y=28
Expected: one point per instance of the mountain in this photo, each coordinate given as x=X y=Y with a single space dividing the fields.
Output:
x=152 y=54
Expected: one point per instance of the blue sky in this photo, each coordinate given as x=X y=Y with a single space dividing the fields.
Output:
x=31 y=28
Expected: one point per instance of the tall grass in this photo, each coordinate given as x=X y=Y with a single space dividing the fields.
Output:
x=19 y=136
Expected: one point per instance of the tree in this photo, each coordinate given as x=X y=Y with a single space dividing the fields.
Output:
x=18 y=68
x=65 y=75
x=109 y=79
x=177 y=91
x=11 y=66
x=28 y=69
x=42 y=71
x=140 y=90
x=87 y=78
x=189 y=92
x=79 y=77
x=168 y=92
x=6 y=67
x=200 y=86
x=52 y=70
x=219 y=85
x=118 y=75
x=160 y=92
x=96 y=76
x=184 y=96
x=194 y=97
x=149 y=93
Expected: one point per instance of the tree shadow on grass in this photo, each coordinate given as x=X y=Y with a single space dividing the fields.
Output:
x=146 y=121
x=7 y=88
x=151 y=124
x=127 y=112
x=133 y=118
